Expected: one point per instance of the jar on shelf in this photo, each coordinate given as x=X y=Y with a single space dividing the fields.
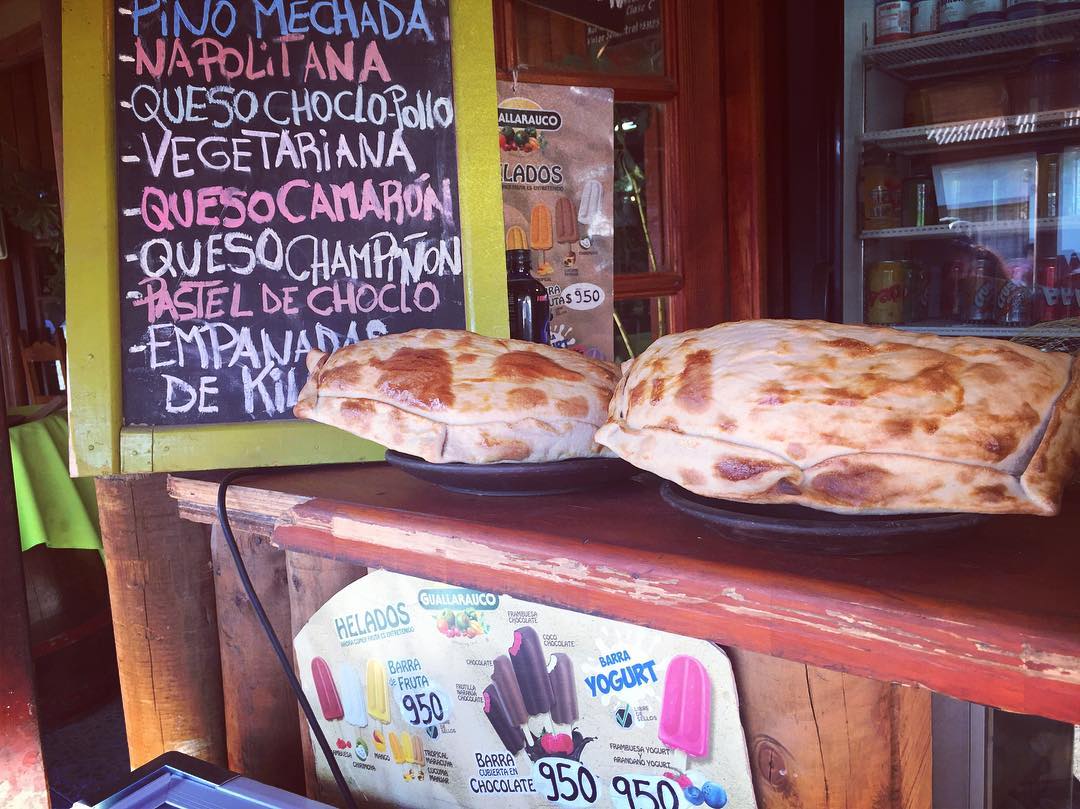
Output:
x=983 y=12
x=952 y=14
x=924 y=17
x=1020 y=9
x=892 y=20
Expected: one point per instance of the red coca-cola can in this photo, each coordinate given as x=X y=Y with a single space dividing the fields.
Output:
x=1049 y=278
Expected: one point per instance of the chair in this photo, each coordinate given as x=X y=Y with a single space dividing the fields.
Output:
x=40 y=354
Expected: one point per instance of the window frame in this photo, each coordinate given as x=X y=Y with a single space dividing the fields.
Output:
x=713 y=197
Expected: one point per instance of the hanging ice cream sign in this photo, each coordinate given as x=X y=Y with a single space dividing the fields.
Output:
x=557 y=163
x=479 y=697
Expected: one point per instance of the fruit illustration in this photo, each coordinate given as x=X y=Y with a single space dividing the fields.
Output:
x=379 y=741
x=694 y=795
x=714 y=794
x=461 y=623
x=557 y=743
x=520 y=140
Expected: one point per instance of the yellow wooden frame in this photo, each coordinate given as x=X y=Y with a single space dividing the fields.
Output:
x=99 y=443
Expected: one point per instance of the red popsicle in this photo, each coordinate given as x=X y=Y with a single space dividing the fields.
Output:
x=329 y=700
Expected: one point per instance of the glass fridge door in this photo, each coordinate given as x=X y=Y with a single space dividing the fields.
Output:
x=962 y=162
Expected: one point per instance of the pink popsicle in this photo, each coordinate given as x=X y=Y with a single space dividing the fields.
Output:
x=687 y=707
x=329 y=700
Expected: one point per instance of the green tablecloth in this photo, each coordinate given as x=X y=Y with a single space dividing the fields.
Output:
x=53 y=508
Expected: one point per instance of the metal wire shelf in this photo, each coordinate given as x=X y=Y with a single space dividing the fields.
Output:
x=933 y=137
x=964 y=228
x=978 y=47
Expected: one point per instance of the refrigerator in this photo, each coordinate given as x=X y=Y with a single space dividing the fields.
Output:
x=961 y=165
x=929 y=180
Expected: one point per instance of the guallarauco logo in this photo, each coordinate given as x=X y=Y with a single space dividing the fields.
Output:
x=547 y=120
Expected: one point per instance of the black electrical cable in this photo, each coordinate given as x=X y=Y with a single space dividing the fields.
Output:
x=283 y=659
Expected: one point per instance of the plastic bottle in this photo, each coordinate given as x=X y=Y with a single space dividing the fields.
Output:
x=952 y=14
x=1019 y=9
x=924 y=17
x=892 y=20
x=880 y=190
x=982 y=12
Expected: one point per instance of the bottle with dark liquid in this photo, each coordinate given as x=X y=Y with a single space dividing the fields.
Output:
x=530 y=311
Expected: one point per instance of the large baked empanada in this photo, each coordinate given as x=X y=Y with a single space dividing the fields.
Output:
x=453 y=396
x=851 y=418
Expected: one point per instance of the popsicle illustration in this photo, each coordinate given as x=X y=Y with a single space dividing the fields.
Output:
x=687 y=707
x=531 y=672
x=591 y=197
x=566 y=226
x=564 y=711
x=506 y=681
x=417 y=750
x=329 y=701
x=378 y=691
x=516 y=238
x=351 y=691
x=540 y=227
x=396 y=750
x=509 y=734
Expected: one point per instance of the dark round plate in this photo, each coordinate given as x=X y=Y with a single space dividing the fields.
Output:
x=516 y=479
x=790 y=527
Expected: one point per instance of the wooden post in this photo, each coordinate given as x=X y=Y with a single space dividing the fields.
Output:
x=161 y=587
x=827 y=739
x=22 y=766
x=261 y=729
x=312 y=581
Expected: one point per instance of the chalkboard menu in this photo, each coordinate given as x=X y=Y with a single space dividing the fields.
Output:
x=287 y=179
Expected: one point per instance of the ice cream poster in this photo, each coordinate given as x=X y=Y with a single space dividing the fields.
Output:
x=557 y=161
x=435 y=695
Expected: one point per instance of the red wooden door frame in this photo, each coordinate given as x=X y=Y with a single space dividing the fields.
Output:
x=714 y=166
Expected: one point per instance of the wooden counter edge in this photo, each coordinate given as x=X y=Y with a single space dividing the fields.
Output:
x=1022 y=672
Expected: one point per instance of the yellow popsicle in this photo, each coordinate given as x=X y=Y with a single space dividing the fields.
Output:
x=540 y=237
x=378 y=691
x=396 y=749
x=516 y=239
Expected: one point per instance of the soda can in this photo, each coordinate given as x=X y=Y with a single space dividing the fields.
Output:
x=1013 y=306
x=979 y=289
x=886 y=284
x=1049 y=279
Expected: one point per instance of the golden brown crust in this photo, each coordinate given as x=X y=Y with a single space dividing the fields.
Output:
x=1058 y=454
x=850 y=418
x=451 y=396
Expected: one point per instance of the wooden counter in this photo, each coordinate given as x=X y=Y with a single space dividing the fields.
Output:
x=990 y=616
